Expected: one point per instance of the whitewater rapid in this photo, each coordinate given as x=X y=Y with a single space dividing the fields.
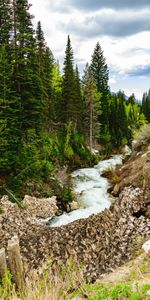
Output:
x=91 y=190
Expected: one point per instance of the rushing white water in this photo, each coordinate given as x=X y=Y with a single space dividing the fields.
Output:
x=91 y=189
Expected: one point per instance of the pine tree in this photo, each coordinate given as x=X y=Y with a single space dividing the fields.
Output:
x=92 y=108
x=118 y=123
x=26 y=81
x=45 y=61
x=5 y=22
x=41 y=46
x=122 y=122
x=68 y=94
x=99 y=70
x=9 y=102
x=78 y=103
x=113 y=120
x=131 y=99
x=100 y=74
x=146 y=105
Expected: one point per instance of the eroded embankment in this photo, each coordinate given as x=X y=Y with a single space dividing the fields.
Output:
x=100 y=242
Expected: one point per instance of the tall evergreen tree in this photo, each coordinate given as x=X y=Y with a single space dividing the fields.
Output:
x=146 y=105
x=131 y=99
x=68 y=93
x=92 y=108
x=118 y=124
x=9 y=102
x=26 y=81
x=99 y=70
x=100 y=74
x=45 y=61
x=78 y=103
x=5 y=21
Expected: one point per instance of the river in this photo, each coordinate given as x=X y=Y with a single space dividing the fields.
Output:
x=91 y=190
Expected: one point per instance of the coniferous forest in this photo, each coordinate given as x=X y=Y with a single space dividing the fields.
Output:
x=50 y=118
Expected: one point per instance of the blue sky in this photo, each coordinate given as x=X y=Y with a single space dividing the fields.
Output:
x=122 y=28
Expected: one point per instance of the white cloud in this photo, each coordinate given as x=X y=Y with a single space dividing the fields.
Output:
x=112 y=80
x=122 y=54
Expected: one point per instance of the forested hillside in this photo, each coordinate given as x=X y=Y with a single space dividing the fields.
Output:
x=50 y=118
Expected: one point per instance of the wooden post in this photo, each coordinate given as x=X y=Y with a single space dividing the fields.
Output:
x=3 y=265
x=15 y=262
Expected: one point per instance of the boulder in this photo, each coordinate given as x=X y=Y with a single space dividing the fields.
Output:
x=116 y=189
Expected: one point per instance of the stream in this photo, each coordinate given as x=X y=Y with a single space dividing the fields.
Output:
x=91 y=190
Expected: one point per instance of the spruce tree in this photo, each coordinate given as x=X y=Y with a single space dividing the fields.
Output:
x=26 y=81
x=9 y=102
x=45 y=62
x=99 y=70
x=78 y=103
x=5 y=21
x=146 y=105
x=92 y=108
x=100 y=73
x=68 y=93
x=131 y=99
x=41 y=46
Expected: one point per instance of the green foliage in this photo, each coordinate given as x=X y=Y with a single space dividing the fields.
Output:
x=92 y=107
x=71 y=102
x=56 y=93
x=100 y=73
x=68 y=151
x=46 y=118
x=146 y=105
x=124 y=118
x=119 y=291
x=66 y=195
x=6 y=287
x=99 y=69
x=68 y=85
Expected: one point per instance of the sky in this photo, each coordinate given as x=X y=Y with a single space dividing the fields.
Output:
x=122 y=28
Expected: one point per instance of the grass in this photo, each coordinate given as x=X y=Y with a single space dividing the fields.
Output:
x=121 y=291
x=131 y=281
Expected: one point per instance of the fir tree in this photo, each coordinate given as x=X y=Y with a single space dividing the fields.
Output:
x=9 y=102
x=5 y=21
x=146 y=105
x=78 y=103
x=92 y=108
x=100 y=74
x=68 y=94
x=45 y=61
x=26 y=81
x=131 y=99
x=99 y=70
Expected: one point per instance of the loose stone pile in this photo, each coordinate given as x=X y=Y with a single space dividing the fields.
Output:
x=101 y=242
x=15 y=220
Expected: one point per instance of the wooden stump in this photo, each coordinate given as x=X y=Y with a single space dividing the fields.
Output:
x=15 y=262
x=3 y=265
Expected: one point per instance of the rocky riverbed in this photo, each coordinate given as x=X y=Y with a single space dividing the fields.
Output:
x=101 y=242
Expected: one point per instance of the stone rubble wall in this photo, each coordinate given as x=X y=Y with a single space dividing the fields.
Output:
x=15 y=220
x=101 y=242
x=41 y=207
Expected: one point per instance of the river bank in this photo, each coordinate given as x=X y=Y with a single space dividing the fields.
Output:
x=90 y=189
x=101 y=242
